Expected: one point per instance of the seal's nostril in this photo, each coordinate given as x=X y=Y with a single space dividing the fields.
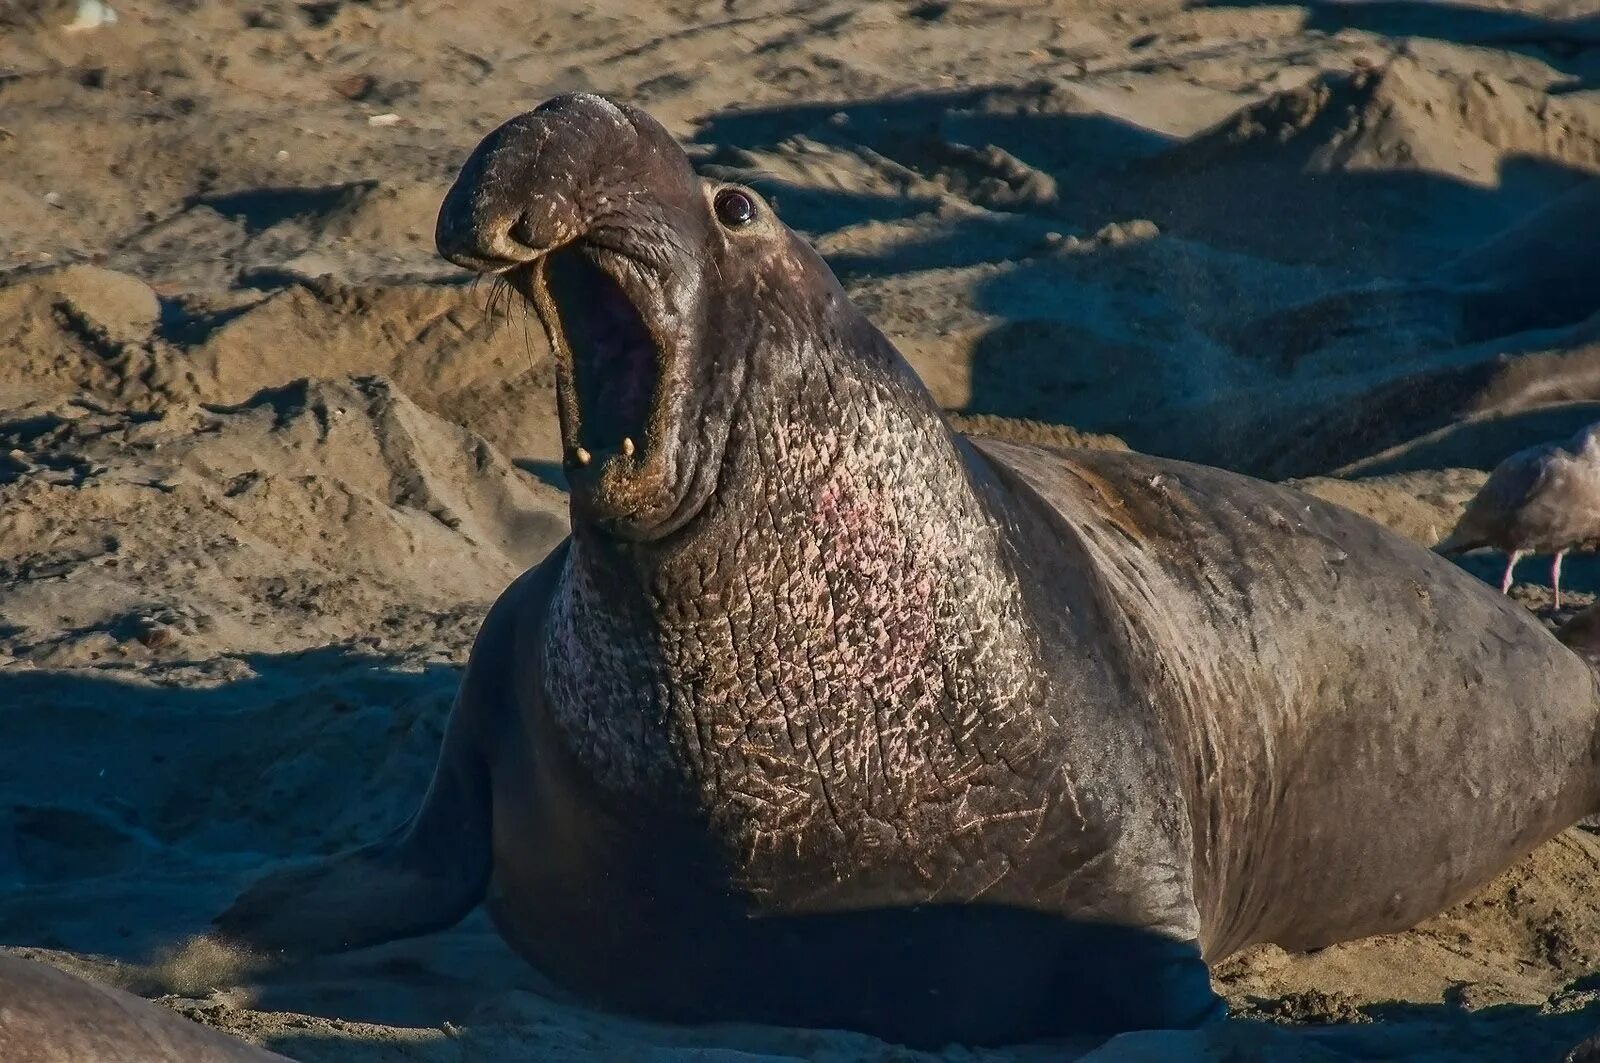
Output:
x=512 y=238
x=520 y=231
x=484 y=240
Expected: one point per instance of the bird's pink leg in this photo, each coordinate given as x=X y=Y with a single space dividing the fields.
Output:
x=1511 y=563
x=1555 y=576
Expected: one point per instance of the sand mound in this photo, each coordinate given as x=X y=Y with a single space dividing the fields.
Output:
x=1335 y=165
x=1402 y=117
x=1422 y=506
x=1538 y=273
x=86 y=331
x=489 y=371
x=79 y=330
x=1035 y=432
x=1481 y=405
x=361 y=231
x=297 y=511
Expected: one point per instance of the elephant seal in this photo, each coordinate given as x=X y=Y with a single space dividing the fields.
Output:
x=827 y=715
x=50 y=1016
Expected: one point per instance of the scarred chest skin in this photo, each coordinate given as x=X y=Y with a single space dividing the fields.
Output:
x=838 y=676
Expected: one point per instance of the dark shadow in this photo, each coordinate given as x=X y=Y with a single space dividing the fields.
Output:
x=1052 y=361
x=909 y=975
x=928 y=144
x=1056 y=370
x=259 y=209
x=1363 y=223
x=1572 y=44
x=185 y=324
x=1032 y=122
x=1056 y=356
x=1298 y=1026
x=443 y=977
x=549 y=472
x=179 y=790
x=287 y=401
x=21 y=432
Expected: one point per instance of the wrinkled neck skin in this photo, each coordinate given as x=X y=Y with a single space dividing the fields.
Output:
x=832 y=656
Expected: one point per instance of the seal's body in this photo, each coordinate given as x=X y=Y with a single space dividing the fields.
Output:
x=49 y=1016
x=827 y=715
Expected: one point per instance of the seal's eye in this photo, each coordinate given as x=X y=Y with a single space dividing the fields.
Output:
x=735 y=209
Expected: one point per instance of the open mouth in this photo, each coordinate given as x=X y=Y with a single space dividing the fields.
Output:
x=611 y=355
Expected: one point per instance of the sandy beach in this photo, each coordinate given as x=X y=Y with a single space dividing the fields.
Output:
x=265 y=458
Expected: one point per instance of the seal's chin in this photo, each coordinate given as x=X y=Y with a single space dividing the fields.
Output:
x=610 y=367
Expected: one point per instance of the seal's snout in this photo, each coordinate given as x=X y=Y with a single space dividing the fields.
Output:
x=483 y=245
x=544 y=178
x=504 y=210
x=480 y=233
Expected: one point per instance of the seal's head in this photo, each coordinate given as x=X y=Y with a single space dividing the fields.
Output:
x=664 y=296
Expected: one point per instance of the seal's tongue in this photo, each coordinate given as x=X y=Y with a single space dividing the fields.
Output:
x=614 y=360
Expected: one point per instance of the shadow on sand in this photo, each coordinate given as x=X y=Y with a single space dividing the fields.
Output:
x=1570 y=44
x=1054 y=358
x=165 y=796
x=121 y=844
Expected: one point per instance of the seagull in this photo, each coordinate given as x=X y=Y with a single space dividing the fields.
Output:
x=1542 y=500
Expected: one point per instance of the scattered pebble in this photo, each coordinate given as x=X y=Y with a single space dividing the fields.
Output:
x=92 y=14
x=155 y=634
x=384 y=119
x=354 y=86
x=1127 y=232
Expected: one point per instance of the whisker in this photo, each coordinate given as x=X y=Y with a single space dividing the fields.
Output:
x=492 y=308
x=527 y=342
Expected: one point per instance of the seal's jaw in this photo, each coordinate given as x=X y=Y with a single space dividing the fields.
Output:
x=609 y=354
x=614 y=362
x=651 y=284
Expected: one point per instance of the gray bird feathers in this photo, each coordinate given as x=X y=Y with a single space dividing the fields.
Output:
x=1541 y=500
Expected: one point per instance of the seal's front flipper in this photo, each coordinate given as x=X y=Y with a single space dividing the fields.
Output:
x=433 y=870
x=424 y=877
